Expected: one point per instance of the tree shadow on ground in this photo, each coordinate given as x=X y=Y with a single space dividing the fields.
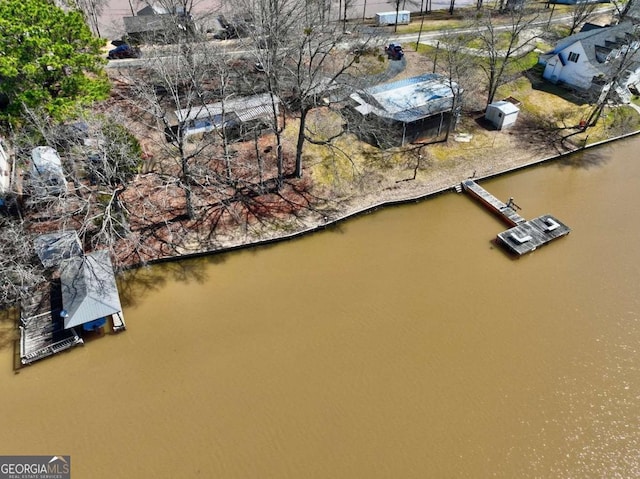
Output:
x=265 y=206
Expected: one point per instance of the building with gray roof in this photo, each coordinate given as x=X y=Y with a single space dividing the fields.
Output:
x=401 y=112
x=89 y=290
x=155 y=23
x=53 y=248
x=237 y=115
x=586 y=60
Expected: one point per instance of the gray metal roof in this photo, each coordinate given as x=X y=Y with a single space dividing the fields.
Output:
x=53 y=248
x=245 y=108
x=407 y=100
x=592 y=38
x=89 y=289
x=147 y=23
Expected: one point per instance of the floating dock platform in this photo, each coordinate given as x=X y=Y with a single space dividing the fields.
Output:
x=524 y=236
x=530 y=235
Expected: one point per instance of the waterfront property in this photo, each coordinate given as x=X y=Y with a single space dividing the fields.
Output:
x=42 y=331
x=81 y=300
x=402 y=112
x=523 y=236
x=89 y=291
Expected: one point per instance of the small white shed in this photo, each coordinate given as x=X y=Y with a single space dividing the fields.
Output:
x=502 y=114
x=389 y=18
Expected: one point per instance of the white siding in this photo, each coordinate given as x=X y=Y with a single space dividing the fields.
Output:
x=576 y=73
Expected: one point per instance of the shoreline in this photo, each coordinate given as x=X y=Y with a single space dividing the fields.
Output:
x=421 y=194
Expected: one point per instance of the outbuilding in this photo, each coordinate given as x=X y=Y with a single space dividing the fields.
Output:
x=239 y=117
x=89 y=291
x=401 y=17
x=404 y=111
x=502 y=114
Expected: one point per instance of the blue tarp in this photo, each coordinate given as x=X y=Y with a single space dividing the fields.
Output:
x=95 y=324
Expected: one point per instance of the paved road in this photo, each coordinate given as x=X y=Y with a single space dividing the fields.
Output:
x=111 y=25
x=236 y=46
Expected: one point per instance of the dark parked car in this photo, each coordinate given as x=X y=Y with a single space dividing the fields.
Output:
x=123 y=51
x=394 y=51
x=227 y=29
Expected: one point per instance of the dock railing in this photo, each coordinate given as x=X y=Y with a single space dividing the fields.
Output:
x=49 y=350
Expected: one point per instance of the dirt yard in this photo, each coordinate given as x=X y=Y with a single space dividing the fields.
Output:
x=346 y=177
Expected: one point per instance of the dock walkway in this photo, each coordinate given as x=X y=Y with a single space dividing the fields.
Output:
x=506 y=212
x=524 y=236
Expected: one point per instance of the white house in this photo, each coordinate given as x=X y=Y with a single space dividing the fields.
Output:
x=585 y=59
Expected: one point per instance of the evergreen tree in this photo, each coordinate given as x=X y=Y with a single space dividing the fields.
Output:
x=48 y=58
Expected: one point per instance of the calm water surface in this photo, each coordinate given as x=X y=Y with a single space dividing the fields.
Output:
x=398 y=345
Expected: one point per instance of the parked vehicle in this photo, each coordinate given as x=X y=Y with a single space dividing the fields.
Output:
x=123 y=51
x=394 y=51
x=227 y=30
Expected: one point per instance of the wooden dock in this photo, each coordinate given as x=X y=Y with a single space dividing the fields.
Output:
x=504 y=211
x=42 y=332
x=530 y=235
x=524 y=236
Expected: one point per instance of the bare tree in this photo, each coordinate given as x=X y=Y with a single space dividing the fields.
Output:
x=623 y=65
x=172 y=95
x=459 y=68
x=319 y=73
x=91 y=9
x=503 y=44
x=624 y=9
x=276 y=24
x=21 y=269
x=100 y=159
x=580 y=13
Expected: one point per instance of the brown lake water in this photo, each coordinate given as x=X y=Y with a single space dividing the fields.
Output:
x=401 y=344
